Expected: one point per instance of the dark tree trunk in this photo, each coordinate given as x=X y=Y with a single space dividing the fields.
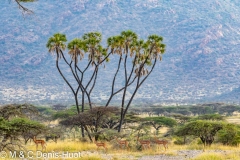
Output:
x=139 y=83
x=121 y=121
x=207 y=140
x=76 y=101
x=88 y=133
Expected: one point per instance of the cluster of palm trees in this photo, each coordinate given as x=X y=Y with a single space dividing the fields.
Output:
x=137 y=59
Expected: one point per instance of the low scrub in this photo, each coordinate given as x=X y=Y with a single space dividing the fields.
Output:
x=209 y=156
x=217 y=156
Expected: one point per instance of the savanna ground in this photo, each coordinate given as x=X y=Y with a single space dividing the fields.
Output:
x=88 y=151
x=71 y=145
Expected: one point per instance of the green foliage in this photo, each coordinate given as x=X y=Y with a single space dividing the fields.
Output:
x=131 y=118
x=229 y=135
x=181 y=119
x=64 y=114
x=143 y=54
x=17 y=110
x=179 y=141
x=5 y=126
x=199 y=109
x=45 y=110
x=88 y=44
x=205 y=130
x=228 y=109
x=216 y=117
x=199 y=127
x=158 y=122
x=16 y=128
x=92 y=38
x=57 y=43
x=76 y=48
x=95 y=121
x=16 y=123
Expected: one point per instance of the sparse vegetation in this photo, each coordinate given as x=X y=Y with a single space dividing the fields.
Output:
x=139 y=133
x=16 y=124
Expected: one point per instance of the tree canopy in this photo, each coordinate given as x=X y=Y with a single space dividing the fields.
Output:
x=204 y=129
x=136 y=60
x=158 y=122
x=16 y=123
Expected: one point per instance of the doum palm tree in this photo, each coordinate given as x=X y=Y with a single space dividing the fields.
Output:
x=137 y=59
x=142 y=54
x=56 y=45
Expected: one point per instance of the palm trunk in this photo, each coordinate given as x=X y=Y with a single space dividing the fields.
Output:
x=76 y=101
x=75 y=94
x=135 y=91
x=121 y=121
x=82 y=128
x=124 y=95
x=113 y=82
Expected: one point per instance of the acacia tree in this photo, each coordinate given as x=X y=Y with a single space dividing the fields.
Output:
x=15 y=124
x=180 y=119
x=205 y=130
x=158 y=122
x=94 y=120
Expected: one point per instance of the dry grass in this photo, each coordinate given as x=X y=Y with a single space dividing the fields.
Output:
x=113 y=147
x=115 y=152
x=233 y=119
x=232 y=153
x=65 y=146
x=209 y=156
x=233 y=156
x=217 y=156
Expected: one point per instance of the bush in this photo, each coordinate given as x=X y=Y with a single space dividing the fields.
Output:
x=229 y=135
x=179 y=141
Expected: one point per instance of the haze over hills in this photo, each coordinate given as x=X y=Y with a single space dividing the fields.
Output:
x=201 y=63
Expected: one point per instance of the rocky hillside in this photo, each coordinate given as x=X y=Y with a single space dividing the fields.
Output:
x=201 y=63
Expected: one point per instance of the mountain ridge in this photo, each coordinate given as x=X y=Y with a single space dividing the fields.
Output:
x=201 y=61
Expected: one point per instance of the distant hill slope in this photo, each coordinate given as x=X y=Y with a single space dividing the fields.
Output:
x=229 y=96
x=202 y=59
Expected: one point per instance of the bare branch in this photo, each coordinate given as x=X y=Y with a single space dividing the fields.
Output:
x=23 y=9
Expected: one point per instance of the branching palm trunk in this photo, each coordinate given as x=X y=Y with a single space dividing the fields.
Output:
x=143 y=53
x=74 y=93
x=139 y=83
x=113 y=82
